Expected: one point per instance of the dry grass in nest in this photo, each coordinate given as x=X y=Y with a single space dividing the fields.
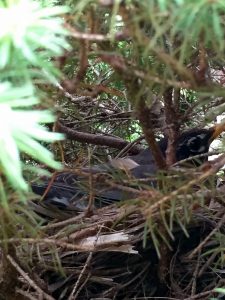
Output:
x=102 y=256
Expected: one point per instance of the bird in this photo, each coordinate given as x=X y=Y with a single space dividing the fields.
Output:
x=190 y=143
x=72 y=190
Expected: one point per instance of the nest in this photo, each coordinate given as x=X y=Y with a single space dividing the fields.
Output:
x=111 y=254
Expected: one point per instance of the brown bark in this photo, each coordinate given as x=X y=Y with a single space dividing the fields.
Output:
x=95 y=139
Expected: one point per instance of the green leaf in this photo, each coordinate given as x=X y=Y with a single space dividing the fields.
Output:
x=220 y=290
x=20 y=130
x=5 y=52
x=37 y=151
x=33 y=33
x=217 y=27
x=9 y=158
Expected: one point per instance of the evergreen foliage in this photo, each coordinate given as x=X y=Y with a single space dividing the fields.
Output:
x=119 y=75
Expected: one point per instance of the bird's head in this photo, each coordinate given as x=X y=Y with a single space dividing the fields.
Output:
x=190 y=143
x=197 y=141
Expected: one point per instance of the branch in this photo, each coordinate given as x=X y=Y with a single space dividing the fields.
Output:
x=41 y=293
x=143 y=113
x=172 y=126
x=95 y=139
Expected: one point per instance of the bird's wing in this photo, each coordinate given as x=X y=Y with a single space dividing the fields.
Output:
x=68 y=190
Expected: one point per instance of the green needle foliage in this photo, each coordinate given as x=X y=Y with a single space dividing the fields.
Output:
x=137 y=66
x=21 y=130
x=221 y=292
x=30 y=36
x=31 y=32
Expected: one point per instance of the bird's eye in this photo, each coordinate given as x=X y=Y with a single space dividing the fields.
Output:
x=196 y=145
x=193 y=142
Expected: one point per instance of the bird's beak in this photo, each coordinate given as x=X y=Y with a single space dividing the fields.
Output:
x=217 y=130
